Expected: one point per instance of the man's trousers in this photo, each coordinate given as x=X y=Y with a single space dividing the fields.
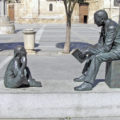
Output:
x=93 y=63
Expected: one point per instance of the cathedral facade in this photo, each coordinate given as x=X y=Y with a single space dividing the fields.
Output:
x=107 y=5
x=41 y=11
x=53 y=11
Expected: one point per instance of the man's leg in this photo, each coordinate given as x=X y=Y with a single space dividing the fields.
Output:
x=84 y=72
x=14 y=82
x=94 y=67
x=31 y=81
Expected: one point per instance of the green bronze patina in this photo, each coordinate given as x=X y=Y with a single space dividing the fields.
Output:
x=107 y=49
x=17 y=73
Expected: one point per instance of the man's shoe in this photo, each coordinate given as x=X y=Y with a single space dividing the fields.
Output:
x=33 y=83
x=84 y=87
x=80 y=79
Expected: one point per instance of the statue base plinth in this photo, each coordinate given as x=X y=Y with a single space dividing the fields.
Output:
x=112 y=77
x=54 y=101
x=30 y=51
x=6 y=27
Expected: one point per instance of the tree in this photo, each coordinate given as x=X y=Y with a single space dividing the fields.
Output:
x=69 y=7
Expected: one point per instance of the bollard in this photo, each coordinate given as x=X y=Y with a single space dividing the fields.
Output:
x=29 y=40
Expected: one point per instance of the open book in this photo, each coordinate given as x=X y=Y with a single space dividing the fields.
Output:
x=78 y=55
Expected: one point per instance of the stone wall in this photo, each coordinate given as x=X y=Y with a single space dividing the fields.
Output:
x=3 y=7
x=0 y=6
x=94 y=5
x=107 y=5
x=75 y=15
x=26 y=11
x=112 y=10
x=38 y=11
x=56 y=15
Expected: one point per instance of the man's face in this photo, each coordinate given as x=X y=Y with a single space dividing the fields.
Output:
x=97 y=20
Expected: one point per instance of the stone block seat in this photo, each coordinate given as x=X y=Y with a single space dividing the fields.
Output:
x=57 y=99
x=112 y=77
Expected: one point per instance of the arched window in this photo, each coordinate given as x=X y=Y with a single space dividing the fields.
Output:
x=50 y=7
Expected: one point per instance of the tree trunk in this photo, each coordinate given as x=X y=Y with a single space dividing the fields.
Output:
x=68 y=34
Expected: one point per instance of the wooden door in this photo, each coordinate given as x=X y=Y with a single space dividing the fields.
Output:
x=11 y=12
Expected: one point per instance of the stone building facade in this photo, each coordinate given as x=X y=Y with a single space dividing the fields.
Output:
x=1 y=7
x=112 y=10
x=83 y=12
x=108 y=5
x=53 y=11
x=41 y=11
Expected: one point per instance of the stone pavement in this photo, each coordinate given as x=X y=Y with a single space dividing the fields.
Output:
x=51 y=37
x=50 y=40
x=104 y=118
x=56 y=99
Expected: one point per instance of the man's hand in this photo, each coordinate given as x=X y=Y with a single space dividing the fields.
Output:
x=21 y=73
x=24 y=60
x=88 y=52
x=85 y=52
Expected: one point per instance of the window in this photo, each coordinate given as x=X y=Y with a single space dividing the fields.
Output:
x=116 y=3
x=50 y=7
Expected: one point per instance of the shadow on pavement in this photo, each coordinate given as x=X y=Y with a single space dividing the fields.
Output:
x=12 y=45
x=75 y=45
x=98 y=81
x=16 y=31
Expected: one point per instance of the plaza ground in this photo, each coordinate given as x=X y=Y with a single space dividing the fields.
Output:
x=49 y=63
x=56 y=71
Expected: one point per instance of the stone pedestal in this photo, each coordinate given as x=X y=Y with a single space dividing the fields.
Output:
x=112 y=77
x=5 y=26
x=29 y=40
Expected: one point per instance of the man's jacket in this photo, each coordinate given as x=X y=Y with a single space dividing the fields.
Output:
x=109 y=38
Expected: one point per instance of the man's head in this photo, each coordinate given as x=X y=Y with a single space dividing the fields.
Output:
x=19 y=51
x=100 y=17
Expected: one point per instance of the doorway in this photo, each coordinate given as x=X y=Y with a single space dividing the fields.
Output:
x=11 y=12
x=83 y=13
x=85 y=18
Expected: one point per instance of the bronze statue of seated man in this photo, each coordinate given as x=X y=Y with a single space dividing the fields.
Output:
x=107 y=49
x=17 y=73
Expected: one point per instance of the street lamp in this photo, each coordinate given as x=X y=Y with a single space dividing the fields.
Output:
x=118 y=1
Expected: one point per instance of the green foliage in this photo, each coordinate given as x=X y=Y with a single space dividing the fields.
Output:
x=11 y=1
x=81 y=1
